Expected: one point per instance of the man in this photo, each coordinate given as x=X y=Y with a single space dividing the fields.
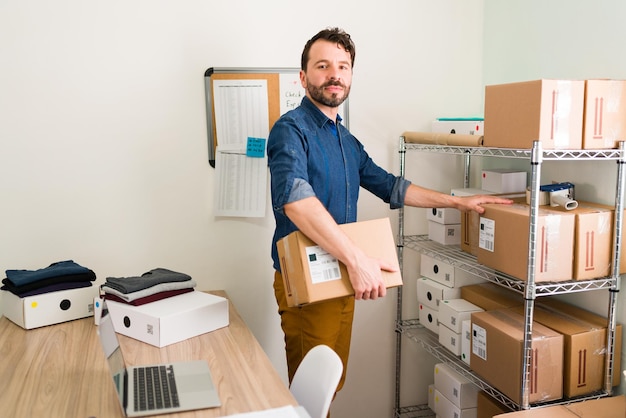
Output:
x=317 y=168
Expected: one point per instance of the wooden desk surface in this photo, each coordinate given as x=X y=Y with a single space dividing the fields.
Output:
x=60 y=370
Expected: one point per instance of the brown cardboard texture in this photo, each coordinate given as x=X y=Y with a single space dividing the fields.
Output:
x=604 y=120
x=490 y=296
x=487 y=407
x=497 y=353
x=312 y=275
x=593 y=239
x=504 y=232
x=609 y=407
x=583 y=358
x=550 y=111
x=598 y=321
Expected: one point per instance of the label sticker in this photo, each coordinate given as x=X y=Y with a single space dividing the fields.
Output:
x=323 y=266
x=487 y=234
x=479 y=341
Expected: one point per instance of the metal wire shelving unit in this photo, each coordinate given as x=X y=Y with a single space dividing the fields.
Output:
x=528 y=289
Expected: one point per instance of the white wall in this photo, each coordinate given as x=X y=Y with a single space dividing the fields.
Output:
x=103 y=154
x=562 y=39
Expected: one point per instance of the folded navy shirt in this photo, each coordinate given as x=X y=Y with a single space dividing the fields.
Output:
x=61 y=268
x=146 y=280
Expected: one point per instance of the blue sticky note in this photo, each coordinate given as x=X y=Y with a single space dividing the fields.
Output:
x=255 y=147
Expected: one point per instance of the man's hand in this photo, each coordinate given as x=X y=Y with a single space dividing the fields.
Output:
x=366 y=278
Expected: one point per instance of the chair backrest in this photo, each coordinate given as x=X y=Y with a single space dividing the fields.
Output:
x=316 y=379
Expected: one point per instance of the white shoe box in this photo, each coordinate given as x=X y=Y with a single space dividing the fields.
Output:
x=453 y=312
x=457 y=388
x=430 y=292
x=466 y=340
x=450 y=340
x=504 y=181
x=428 y=318
x=172 y=319
x=444 y=408
x=445 y=234
x=444 y=216
x=445 y=273
x=49 y=308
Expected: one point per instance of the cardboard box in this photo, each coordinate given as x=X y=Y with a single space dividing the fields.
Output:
x=599 y=321
x=503 y=242
x=500 y=180
x=452 y=312
x=490 y=296
x=430 y=292
x=593 y=240
x=172 y=319
x=444 y=408
x=444 y=234
x=466 y=341
x=445 y=273
x=550 y=111
x=609 y=407
x=497 y=355
x=487 y=406
x=312 y=275
x=444 y=216
x=428 y=317
x=455 y=387
x=460 y=126
x=450 y=339
x=604 y=121
x=49 y=308
x=583 y=360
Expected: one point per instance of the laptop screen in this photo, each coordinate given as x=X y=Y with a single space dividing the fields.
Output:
x=113 y=352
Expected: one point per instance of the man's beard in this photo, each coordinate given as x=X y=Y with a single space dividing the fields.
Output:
x=317 y=93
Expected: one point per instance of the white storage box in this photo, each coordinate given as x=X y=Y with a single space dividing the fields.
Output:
x=172 y=319
x=455 y=387
x=430 y=292
x=444 y=234
x=449 y=339
x=453 y=312
x=444 y=216
x=428 y=318
x=444 y=408
x=504 y=181
x=466 y=340
x=49 y=308
x=431 y=396
x=460 y=126
x=470 y=192
x=445 y=273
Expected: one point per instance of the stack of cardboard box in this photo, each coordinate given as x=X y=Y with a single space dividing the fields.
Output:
x=453 y=395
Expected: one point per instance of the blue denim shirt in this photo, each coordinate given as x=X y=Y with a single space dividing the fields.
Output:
x=310 y=155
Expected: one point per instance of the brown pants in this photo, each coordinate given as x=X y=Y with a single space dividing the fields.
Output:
x=328 y=322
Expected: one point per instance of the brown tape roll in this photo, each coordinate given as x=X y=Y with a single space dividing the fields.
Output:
x=436 y=138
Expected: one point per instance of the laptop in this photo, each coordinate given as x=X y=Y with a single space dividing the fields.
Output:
x=158 y=388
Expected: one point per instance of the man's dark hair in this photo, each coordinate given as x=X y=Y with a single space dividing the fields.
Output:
x=331 y=35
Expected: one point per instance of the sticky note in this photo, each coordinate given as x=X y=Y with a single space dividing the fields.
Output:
x=255 y=147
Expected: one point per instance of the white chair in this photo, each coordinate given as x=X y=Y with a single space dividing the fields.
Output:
x=316 y=379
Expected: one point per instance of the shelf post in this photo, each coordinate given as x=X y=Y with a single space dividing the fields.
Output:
x=400 y=251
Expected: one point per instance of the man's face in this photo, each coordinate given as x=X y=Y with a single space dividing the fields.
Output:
x=328 y=77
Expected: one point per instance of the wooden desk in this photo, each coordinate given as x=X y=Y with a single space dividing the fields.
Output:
x=60 y=370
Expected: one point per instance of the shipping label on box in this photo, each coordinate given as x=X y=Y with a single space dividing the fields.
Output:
x=604 y=122
x=172 y=319
x=49 y=308
x=504 y=244
x=550 y=111
x=312 y=275
x=497 y=353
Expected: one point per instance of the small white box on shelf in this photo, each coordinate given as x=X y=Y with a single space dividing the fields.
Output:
x=444 y=408
x=453 y=312
x=444 y=215
x=428 y=318
x=444 y=234
x=446 y=273
x=466 y=340
x=455 y=387
x=504 y=181
x=430 y=292
x=449 y=339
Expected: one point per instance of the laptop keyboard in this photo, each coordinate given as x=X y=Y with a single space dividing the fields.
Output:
x=155 y=388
